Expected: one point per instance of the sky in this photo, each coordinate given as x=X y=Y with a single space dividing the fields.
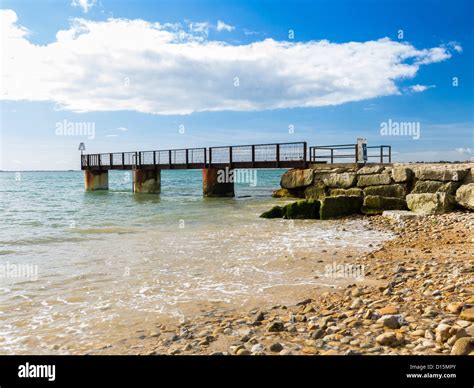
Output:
x=143 y=75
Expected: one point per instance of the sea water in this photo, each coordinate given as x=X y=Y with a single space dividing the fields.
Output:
x=80 y=270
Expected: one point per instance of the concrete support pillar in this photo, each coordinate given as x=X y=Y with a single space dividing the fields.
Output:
x=218 y=182
x=96 y=180
x=147 y=181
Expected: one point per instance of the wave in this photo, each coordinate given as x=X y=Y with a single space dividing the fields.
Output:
x=105 y=230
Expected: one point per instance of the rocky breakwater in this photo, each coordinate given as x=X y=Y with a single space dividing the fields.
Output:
x=342 y=190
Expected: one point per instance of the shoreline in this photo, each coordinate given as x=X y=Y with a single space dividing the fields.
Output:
x=416 y=298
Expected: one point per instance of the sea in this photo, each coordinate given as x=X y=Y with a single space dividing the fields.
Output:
x=80 y=270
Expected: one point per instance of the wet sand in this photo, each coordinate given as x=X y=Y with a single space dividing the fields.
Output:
x=416 y=298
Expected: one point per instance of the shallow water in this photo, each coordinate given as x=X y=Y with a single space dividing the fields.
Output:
x=100 y=266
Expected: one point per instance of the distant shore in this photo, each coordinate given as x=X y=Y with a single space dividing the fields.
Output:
x=416 y=298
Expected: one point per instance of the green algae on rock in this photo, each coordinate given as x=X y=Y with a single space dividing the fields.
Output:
x=340 y=206
x=305 y=209
x=274 y=212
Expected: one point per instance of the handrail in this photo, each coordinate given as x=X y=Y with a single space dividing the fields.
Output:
x=313 y=157
x=251 y=153
x=273 y=155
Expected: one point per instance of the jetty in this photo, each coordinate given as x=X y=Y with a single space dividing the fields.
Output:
x=147 y=165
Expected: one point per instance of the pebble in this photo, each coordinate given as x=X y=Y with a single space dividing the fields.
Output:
x=317 y=334
x=243 y=352
x=276 y=327
x=390 y=321
x=388 y=310
x=463 y=346
x=257 y=348
x=276 y=347
x=467 y=314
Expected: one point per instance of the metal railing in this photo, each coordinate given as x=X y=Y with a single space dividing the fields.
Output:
x=274 y=155
x=330 y=153
x=243 y=156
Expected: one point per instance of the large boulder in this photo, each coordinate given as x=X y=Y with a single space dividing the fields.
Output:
x=370 y=170
x=340 y=206
x=465 y=196
x=281 y=193
x=306 y=209
x=396 y=190
x=288 y=193
x=376 y=204
x=274 y=212
x=430 y=203
x=400 y=215
x=402 y=174
x=318 y=191
x=374 y=180
x=346 y=192
x=343 y=180
x=299 y=209
x=296 y=178
x=435 y=187
x=440 y=174
x=469 y=177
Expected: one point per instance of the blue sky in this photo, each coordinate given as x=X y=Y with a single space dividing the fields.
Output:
x=234 y=72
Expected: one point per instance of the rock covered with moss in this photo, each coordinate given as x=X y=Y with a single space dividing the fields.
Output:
x=274 y=212
x=304 y=209
x=430 y=188
x=376 y=204
x=340 y=206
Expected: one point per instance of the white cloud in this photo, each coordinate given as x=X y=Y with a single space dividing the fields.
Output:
x=199 y=28
x=122 y=129
x=172 y=71
x=464 y=150
x=221 y=26
x=86 y=5
x=420 y=88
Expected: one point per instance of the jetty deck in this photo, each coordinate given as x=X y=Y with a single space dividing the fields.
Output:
x=275 y=155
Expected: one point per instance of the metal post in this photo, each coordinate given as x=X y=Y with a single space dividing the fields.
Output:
x=154 y=158
x=111 y=160
x=230 y=156
x=187 y=158
x=123 y=159
x=278 y=155
x=381 y=154
x=390 y=154
x=169 y=157
x=205 y=157
x=356 y=153
x=210 y=157
x=253 y=156
x=305 y=150
x=332 y=155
